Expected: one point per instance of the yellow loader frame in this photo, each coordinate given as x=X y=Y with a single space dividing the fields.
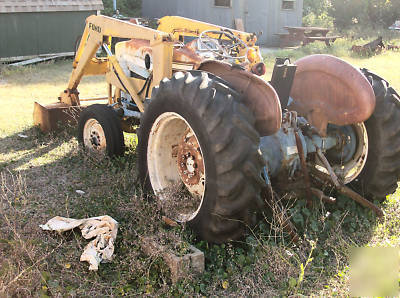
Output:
x=99 y=31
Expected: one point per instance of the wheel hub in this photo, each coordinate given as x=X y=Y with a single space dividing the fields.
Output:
x=95 y=139
x=190 y=160
x=93 y=136
x=348 y=160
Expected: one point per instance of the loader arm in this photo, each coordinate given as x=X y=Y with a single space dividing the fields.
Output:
x=180 y=27
x=99 y=30
x=183 y=26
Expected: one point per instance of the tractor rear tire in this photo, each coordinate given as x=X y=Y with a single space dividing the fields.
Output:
x=381 y=173
x=224 y=130
x=100 y=132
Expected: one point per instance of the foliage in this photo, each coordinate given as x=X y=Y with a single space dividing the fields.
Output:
x=348 y=13
x=321 y=20
x=130 y=8
x=317 y=7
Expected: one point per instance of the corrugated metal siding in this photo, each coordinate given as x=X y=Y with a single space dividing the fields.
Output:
x=203 y=10
x=257 y=18
x=264 y=16
x=8 y=6
x=25 y=34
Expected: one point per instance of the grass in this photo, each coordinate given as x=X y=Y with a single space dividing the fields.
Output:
x=385 y=64
x=43 y=83
x=41 y=173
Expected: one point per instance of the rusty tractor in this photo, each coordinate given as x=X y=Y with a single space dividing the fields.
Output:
x=214 y=134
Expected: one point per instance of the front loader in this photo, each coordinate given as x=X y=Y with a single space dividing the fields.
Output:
x=214 y=134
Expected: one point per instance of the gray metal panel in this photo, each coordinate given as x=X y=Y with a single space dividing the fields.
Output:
x=25 y=34
x=159 y=8
x=8 y=6
x=258 y=15
x=279 y=18
x=200 y=10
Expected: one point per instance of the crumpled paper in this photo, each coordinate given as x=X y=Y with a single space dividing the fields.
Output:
x=104 y=228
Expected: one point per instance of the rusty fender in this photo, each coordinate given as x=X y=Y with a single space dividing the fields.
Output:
x=327 y=89
x=258 y=95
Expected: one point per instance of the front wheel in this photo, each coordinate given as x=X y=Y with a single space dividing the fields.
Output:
x=198 y=152
x=99 y=131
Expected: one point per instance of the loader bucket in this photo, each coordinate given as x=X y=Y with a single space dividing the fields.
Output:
x=52 y=116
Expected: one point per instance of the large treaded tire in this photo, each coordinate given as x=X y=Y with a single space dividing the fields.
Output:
x=381 y=173
x=225 y=131
x=111 y=125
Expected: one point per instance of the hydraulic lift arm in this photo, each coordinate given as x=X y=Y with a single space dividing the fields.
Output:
x=98 y=31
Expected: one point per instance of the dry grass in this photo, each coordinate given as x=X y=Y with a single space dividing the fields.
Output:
x=385 y=64
x=19 y=88
x=39 y=178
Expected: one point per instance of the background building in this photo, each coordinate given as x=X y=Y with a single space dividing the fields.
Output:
x=35 y=27
x=266 y=16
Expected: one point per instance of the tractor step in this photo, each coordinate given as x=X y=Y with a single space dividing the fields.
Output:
x=49 y=117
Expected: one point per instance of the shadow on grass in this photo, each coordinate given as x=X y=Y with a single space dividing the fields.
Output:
x=22 y=147
x=34 y=262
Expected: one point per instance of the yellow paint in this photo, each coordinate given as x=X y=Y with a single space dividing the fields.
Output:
x=161 y=41
x=180 y=26
x=86 y=63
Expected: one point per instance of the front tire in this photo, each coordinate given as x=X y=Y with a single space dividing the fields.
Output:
x=196 y=135
x=100 y=132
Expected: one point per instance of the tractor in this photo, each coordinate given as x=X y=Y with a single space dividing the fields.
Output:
x=213 y=134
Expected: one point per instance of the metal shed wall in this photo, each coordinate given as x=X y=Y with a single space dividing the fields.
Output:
x=258 y=15
x=29 y=28
x=8 y=6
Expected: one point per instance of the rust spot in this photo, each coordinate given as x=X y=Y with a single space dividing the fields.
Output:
x=190 y=161
x=185 y=54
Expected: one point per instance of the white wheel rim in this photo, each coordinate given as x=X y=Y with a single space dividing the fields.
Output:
x=351 y=170
x=94 y=138
x=175 y=167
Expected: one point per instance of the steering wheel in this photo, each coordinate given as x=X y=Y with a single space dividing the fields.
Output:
x=221 y=48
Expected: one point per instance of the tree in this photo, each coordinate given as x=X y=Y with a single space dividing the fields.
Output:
x=345 y=13
x=131 y=8
x=317 y=7
x=376 y=13
x=315 y=13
